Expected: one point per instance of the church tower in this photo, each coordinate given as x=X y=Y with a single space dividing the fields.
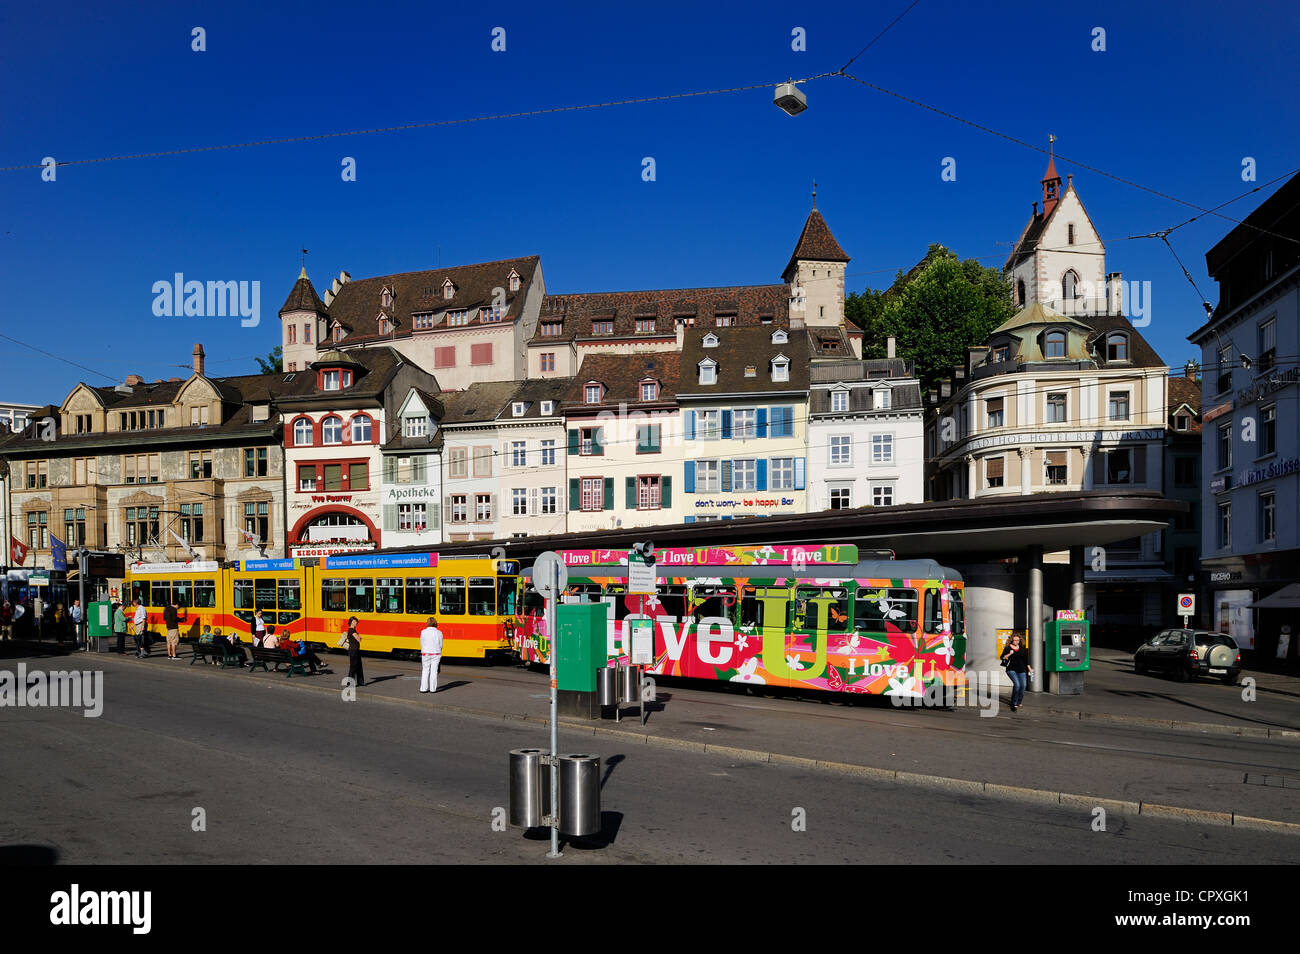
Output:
x=300 y=323
x=815 y=275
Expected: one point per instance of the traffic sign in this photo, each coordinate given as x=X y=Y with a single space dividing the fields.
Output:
x=1186 y=604
x=545 y=570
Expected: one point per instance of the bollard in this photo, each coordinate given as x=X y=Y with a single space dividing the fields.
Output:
x=630 y=684
x=579 y=795
x=607 y=686
x=526 y=784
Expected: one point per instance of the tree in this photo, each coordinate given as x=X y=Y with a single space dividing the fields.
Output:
x=935 y=312
x=274 y=362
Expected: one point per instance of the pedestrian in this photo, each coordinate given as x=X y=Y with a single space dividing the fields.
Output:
x=140 y=621
x=430 y=656
x=259 y=630
x=355 y=671
x=1015 y=658
x=119 y=627
x=171 y=622
x=38 y=614
x=76 y=619
x=60 y=623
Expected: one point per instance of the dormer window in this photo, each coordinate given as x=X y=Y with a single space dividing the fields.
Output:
x=1181 y=422
x=751 y=371
x=490 y=313
x=458 y=317
x=592 y=392
x=649 y=390
x=603 y=327
x=548 y=408
x=839 y=401
x=710 y=341
x=338 y=332
x=1117 y=347
x=335 y=379
x=385 y=325
x=552 y=329
x=386 y=297
x=883 y=399
x=1001 y=353
x=513 y=280
x=1054 y=344
x=780 y=368
x=448 y=289
x=422 y=322
x=708 y=370
x=724 y=321
x=519 y=408
x=415 y=426
x=780 y=337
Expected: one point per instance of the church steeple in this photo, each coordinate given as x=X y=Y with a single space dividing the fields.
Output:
x=1051 y=181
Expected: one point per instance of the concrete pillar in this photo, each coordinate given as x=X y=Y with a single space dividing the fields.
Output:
x=1087 y=469
x=972 y=484
x=1024 y=470
x=1035 y=614
x=1076 y=579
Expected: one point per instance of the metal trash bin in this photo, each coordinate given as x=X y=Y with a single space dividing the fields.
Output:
x=526 y=784
x=579 y=795
x=607 y=686
x=629 y=689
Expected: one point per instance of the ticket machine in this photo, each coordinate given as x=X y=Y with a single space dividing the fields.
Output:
x=1066 y=652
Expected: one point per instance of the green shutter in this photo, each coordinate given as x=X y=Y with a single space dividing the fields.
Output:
x=665 y=492
x=598 y=442
x=575 y=493
x=609 y=493
x=573 y=441
x=631 y=493
x=390 y=516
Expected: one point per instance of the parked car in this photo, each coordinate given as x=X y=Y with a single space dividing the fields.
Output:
x=1190 y=652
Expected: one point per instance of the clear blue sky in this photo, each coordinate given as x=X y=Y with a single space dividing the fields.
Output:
x=1181 y=95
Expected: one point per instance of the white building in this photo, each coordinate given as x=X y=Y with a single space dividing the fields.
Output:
x=410 y=492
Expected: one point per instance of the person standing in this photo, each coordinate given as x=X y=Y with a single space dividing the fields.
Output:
x=430 y=656
x=171 y=622
x=140 y=621
x=355 y=671
x=119 y=628
x=1016 y=659
x=259 y=631
x=76 y=620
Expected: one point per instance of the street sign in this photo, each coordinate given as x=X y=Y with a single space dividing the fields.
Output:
x=1186 y=604
x=545 y=568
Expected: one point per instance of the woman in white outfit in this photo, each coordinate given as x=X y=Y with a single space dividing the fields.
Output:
x=430 y=656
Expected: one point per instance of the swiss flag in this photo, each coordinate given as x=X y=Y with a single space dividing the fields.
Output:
x=17 y=551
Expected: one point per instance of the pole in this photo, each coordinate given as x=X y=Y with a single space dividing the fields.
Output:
x=84 y=635
x=1035 y=614
x=553 y=629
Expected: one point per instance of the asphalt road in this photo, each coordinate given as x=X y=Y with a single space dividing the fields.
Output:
x=286 y=773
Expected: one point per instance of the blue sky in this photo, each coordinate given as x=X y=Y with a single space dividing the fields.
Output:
x=1180 y=96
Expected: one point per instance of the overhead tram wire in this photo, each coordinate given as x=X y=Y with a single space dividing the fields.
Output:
x=879 y=35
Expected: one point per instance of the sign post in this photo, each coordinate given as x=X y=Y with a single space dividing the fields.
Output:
x=1186 y=607
x=642 y=580
x=550 y=576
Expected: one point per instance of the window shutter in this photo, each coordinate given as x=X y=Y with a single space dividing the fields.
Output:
x=573 y=441
x=726 y=425
x=534 y=495
x=390 y=470
x=762 y=422
x=446 y=512
x=690 y=477
x=690 y=519
x=492 y=507
x=665 y=492
x=598 y=442
x=630 y=487
x=417 y=469
x=762 y=473
x=798 y=473
x=726 y=475
x=507 y=459
x=609 y=494
x=993 y=467
x=690 y=425
x=575 y=493
x=1139 y=464
x=390 y=516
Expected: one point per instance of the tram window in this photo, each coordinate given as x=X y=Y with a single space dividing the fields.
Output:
x=333 y=595
x=672 y=600
x=755 y=604
x=182 y=592
x=290 y=594
x=140 y=591
x=507 y=595
x=284 y=619
x=161 y=594
x=205 y=594
x=264 y=593
x=243 y=594
x=822 y=608
x=451 y=596
x=388 y=595
x=934 y=612
x=873 y=608
x=482 y=596
x=714 y=600
x=534 y=605
x=421 y=593
x=361 y=595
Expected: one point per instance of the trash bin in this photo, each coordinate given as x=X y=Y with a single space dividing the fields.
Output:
x=579 y=795
x=607 y=685
x=526 y=784
x=630 y=684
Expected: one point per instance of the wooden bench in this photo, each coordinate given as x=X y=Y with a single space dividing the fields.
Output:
x=218 y=653
x=279 y=657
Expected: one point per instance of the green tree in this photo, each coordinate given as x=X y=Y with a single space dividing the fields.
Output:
x=935 y=312
x=274 y=362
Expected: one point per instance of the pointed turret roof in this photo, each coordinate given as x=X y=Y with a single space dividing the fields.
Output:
x=816 y=243
x=304 y=297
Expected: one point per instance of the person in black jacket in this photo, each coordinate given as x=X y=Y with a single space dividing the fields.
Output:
x=354 y=654
x=1016 y=659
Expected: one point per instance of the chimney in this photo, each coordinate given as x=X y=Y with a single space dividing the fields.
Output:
x=134 y=380
x=889 y=347
x=1114 y=293
x=328 y=298
x=1035 y=209
x=945 y=387
x=344 y=278
x=198 y=359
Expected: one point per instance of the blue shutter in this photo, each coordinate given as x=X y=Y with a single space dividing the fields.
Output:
x=798 y=473
x=690 y=519
x=762 y=473
x=690 y=476
x=690 y=426
x=762 y=422
x=726 y=425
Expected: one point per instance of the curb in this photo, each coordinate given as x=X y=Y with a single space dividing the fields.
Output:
x=913 y=779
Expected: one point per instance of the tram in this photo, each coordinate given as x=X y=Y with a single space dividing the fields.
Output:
x=392 y=595
x=809 y=617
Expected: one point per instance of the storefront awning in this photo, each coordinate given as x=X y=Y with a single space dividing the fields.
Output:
x=1286 y=598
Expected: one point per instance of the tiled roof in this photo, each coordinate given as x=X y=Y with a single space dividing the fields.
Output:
x=1030 y=236
x=744 y=304
x=478 y=403
x=1141 y=354
x=739 y=349
x=533 y=392
x=816 y=243
x=303 y=297
x=1185 y=391
x=622 y=374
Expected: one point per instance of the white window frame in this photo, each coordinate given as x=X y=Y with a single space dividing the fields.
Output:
x=708 y=372
x=833 y=491
x=749 y=467
x=879 y=489
x=519 y=501
x=781 y=473
x=839 y=401
x=548 y=453
x=369 y=425
x=1128 y=404
x=747 y=430
x=708 y=476
x=325 y=430
x=300 y=425
x=882 y=449
x=839 y=450
x=518 y=453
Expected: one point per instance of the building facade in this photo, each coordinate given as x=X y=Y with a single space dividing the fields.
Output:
x=410 y=492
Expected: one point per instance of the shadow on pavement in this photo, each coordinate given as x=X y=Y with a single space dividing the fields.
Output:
x=1138 y=694
x=28 y=855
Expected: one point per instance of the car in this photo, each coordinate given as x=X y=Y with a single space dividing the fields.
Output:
x=1190 y=652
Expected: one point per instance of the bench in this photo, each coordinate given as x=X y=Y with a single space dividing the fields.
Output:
x=279 y=657
x=218 y=653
